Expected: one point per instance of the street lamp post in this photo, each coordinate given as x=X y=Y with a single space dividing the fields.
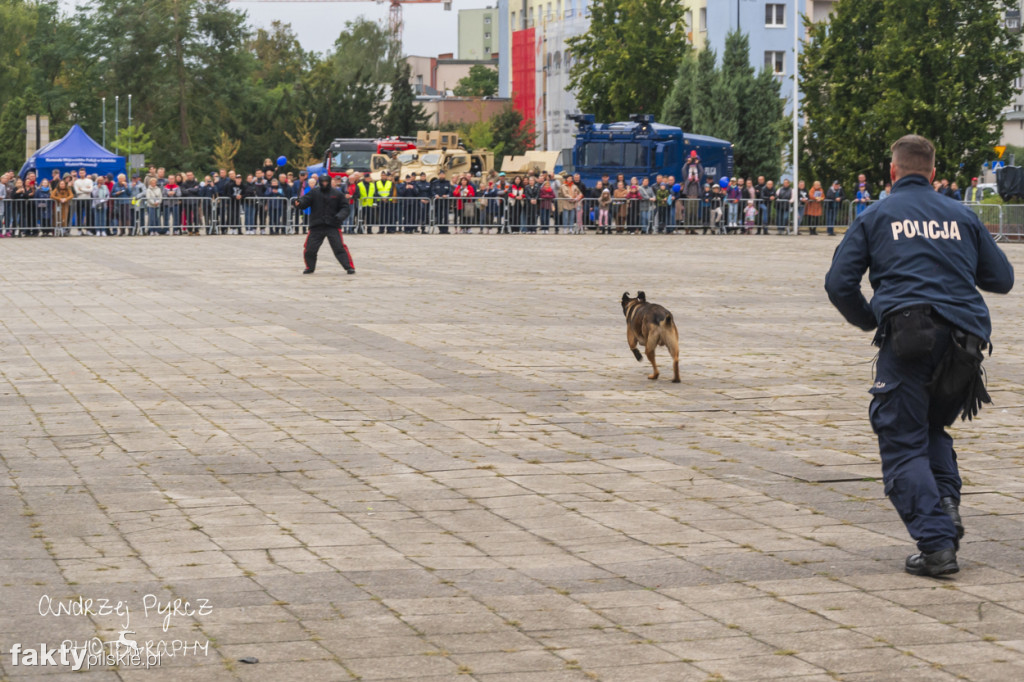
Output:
x=796 y=117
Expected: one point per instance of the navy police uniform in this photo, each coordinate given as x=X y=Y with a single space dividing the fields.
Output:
x=927 y=255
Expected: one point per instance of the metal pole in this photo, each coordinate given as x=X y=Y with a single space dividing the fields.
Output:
x=104 y=143
x=129 y=138
x=796 y=117
x=117 y=102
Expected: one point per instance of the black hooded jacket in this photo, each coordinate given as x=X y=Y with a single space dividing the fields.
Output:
x=325 y=209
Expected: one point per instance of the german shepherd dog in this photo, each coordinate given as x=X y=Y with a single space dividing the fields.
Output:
x=653 y=326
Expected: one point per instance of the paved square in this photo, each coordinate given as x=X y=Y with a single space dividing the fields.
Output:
x=450 y=467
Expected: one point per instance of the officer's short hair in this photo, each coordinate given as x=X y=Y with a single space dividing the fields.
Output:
x=914 y=154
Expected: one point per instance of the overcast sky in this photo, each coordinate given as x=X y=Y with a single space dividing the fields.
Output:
x=429 y=29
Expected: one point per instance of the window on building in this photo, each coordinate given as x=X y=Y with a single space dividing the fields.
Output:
x=776 y=61
x=689 y=19
x=512 y=20
x=487 y=20
x=774 y=14
x=703 y=19
x=487 y=36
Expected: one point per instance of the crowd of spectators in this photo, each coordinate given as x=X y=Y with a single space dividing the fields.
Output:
x=158 y=202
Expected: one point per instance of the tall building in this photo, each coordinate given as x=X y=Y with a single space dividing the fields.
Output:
x=478 y=33
x=1013 y=126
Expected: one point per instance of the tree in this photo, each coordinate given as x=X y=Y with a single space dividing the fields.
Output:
x=346 y=88
x=132 y=139
x=738 y=78
x=179 y=58
x=482 y=81
x=766 y=127
x=305 y=141
x=704 y=109
x=625 y=59
x=405 y=116
x=943 y=69
x=510 y=136
x=678 y=107
x=224 y=152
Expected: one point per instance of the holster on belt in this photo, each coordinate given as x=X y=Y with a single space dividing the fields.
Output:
x=958 y=382
x=913 y=331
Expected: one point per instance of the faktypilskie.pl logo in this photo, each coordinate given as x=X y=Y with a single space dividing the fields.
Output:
x=125 y=651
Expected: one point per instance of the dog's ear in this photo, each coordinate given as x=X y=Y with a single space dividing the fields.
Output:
x=642 y=296
x=625 y=297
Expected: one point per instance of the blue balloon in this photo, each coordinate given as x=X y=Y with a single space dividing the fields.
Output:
x=281 y=161
x=723 y=182
x=676 y=187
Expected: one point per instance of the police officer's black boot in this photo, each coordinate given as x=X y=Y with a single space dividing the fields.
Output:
x=952 y=507
x=942 y=562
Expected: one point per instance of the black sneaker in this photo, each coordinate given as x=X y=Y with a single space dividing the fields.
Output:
x=307 y=271
x=350 y=271
x=934 y=564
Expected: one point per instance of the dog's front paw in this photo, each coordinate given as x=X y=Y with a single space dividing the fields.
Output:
x=637 y=355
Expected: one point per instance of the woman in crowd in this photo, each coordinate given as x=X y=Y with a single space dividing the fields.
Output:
x=816 y=200
x=154 y=198
x=465 y=208
x=61 y=197
x=547 y=202
x=100 y=201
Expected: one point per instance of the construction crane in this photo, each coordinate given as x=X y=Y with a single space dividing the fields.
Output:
x=394 y=16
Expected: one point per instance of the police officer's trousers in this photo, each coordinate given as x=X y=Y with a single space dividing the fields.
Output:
x=316 y=237
x=918 y=461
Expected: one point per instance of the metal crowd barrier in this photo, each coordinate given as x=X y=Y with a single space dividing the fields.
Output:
x=276 y=215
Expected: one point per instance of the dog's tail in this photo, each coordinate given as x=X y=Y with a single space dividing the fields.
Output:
x=667 y=322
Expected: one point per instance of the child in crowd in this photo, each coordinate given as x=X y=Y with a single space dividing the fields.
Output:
x=750 y=216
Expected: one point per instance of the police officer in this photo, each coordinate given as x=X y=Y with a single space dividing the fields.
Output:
x=423 y=208
x=441 y=191
x=927 y=257
x=328 y=210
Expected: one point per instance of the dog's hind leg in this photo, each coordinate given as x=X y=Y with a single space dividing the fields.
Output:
x=631 y=340
x=672 y=343
x=652 y=345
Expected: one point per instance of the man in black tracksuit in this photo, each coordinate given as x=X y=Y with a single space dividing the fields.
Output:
x=328 y=208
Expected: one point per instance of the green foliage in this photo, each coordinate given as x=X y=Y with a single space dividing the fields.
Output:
x=482 y=81
x=762 y=140
x=132 y=139
x=620 y=63
x=678 y=107
x=732 y=104
x=197 y=74
x=943 y=69
x=478 y=135
x=405 y=116
x=510 y=136
x=706 y=111
x=12 y=127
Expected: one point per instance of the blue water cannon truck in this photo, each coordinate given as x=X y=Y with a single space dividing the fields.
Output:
x=642 y=148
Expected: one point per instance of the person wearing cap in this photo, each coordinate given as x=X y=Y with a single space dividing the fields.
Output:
x=408 y=205
x=441 y=191
x=973 y=195
x=328 y=208
x=833 y=202
x=422 y=212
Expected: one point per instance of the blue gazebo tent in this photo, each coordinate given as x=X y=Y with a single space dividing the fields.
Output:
x=71 y=152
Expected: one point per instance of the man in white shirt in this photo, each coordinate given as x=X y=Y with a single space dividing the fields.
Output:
x=82 y=186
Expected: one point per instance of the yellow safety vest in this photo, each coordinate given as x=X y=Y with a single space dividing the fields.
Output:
x=383 y=189
x=365 y=194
